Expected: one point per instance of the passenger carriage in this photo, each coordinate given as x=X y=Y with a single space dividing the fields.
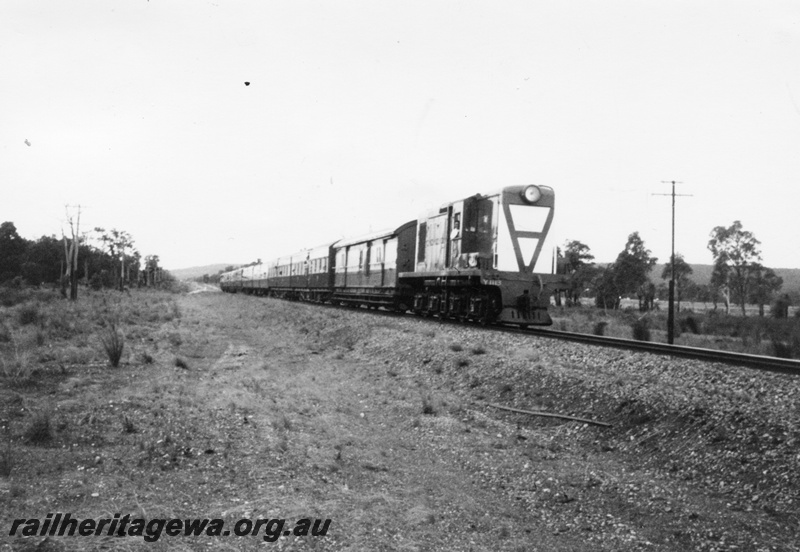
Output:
x=366 y=268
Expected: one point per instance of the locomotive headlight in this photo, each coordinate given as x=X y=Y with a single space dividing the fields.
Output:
x=531 y=194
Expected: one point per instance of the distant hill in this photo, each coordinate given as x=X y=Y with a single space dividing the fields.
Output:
x=198 y=271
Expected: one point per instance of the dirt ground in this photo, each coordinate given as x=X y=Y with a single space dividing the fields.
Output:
x=240 y=407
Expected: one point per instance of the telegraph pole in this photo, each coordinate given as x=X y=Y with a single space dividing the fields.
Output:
x=671 y=314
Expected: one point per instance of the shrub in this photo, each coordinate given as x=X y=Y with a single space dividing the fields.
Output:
x=780 y=308
x=781 y=349
x=689 y=324
x=96 y=282
x=641 y=330
x=28 y=314
x=428 y=406
x=600 y=328
x=128 y=426
x=10 y=296
x=171 y=284
x=113 y=342
x=17 y=365
x=39 y=431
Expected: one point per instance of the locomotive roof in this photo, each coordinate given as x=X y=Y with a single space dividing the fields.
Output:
x=496 y=192
x=301 y=255
x=373 y=235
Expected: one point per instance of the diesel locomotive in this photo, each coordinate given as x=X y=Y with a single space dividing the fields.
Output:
x=471 y=259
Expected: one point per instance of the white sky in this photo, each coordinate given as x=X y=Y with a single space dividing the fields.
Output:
x=361 y=115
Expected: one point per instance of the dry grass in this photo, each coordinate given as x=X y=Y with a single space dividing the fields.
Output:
x=713 y=330
x=6 y=459
x=113 y=342
x=39 y=430
x=294 y=411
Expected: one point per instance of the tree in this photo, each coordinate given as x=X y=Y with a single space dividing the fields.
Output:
x=580 y=268
x=736 y=249
x=765 y=284
x=682 y=281
x=151 y=270
x=12 y=251
x=780 y=309
x=633 y=265
x=576 y=255
x=43 y=261
x=605 y=289
x=71 y=247
x=134 y=263
x=719 y=285
x=119 y=244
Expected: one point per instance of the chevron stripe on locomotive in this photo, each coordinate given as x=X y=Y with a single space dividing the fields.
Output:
x=472 y=259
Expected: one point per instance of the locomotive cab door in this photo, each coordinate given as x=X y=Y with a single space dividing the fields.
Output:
x=478 y=230
x=455 y=214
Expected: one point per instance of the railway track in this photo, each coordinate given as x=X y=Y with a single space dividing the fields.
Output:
x=758 y=362
x=766 y=363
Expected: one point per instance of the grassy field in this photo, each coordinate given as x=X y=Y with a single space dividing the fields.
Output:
x=696 y=325
x=229 y=407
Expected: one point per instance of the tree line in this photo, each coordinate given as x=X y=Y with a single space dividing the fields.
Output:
x=738 y=276
x=99 y=259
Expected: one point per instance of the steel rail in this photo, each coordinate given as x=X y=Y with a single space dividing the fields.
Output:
x=758 y=362
x=766 y=363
